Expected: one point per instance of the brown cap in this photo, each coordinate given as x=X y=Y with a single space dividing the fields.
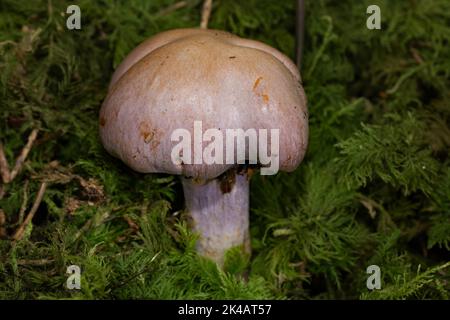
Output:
x=187 y=75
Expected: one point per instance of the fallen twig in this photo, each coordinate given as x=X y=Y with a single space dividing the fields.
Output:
x=23 y=207
x=172 y=8
x=416 y=55
x=37 y=262
x=4 y=167
x=133 y=225
x=2 y=222
x=206 y=13
x=300 y=31
x=23 y=155
x=2 y=43
x=20 y=231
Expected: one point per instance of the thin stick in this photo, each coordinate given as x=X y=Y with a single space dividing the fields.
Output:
x=7 y=42
x=2 y=222
x=172 y=8
x=4 y=167
x=37 y=262
x=300 y=31
x=20 y=231
x=23 y=207
x=23 y=155
x=416 y=56
x=2 y=218
x=206 y=13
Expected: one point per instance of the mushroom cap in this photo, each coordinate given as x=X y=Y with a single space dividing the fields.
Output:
x=186 y=75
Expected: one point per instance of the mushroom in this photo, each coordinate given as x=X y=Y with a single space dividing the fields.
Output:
x=181 y=78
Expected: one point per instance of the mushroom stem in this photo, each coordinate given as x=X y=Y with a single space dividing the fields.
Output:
x=220 y=214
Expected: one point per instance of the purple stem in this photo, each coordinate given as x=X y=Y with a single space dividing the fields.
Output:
x=220 y=218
